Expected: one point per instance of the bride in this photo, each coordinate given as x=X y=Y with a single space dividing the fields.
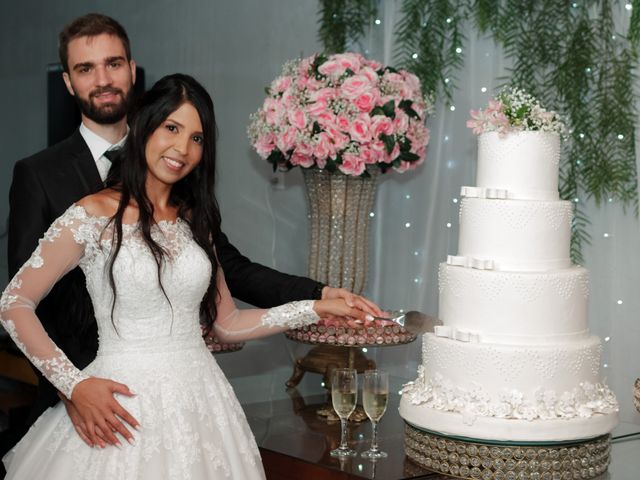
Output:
x=145 y=245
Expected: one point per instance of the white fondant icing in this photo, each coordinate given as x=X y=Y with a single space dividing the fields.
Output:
x=455 y=334
x=516 y=234
x=524 y=162
x=507 y=429
x=470 y=262
x=514 y=360
x=515 y=307
x=496 y=368
x=500 y=193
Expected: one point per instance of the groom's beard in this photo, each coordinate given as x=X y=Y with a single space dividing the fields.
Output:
x=107 y=113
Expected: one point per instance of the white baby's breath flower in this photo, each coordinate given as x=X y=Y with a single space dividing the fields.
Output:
x=520 y=111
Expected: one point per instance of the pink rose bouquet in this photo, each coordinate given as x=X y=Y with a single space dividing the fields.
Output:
x=514 y=110
x=342 y=113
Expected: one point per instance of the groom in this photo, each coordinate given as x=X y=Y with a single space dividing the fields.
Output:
x=99 y=72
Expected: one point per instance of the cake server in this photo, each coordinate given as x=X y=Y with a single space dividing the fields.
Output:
x=413 y=321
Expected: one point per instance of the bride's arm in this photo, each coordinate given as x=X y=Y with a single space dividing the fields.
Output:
x=61 y=249
x=234 y=325
x=58 y=252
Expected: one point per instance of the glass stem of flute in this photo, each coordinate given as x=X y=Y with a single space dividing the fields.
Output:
x=374 y=436
x=343 y=434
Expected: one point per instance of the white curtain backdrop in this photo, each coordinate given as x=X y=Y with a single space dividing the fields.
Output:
x=416 y=218
x=235 y=49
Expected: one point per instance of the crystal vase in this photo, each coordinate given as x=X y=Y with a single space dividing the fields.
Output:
x=339 y=214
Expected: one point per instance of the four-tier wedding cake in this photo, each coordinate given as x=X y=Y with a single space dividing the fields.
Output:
x=514 y=359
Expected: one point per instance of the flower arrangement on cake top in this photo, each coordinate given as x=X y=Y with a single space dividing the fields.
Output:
x=343 y=113
x=514 y=110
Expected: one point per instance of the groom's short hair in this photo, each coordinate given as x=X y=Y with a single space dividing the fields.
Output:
x=90 y=25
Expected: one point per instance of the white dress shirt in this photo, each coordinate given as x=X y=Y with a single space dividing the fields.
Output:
x=98 y=145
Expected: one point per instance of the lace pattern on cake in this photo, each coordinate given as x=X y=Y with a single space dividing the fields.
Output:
x=516 y=215
x=509 y=147
x=476 y=360
x=472 y=401
x=530 y=287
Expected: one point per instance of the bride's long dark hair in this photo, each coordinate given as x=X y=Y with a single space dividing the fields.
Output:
x=193 y=195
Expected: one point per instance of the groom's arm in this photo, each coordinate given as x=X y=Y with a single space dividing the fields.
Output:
x=258 y=285
x=28 y=215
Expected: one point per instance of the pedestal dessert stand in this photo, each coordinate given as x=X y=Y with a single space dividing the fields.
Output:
x=479 y=459
x=215 y=346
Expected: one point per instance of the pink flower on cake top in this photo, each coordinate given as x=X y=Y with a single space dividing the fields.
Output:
x=514 y=110
x=343 y=113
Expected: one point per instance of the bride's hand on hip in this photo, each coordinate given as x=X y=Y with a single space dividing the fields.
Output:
x=78 y=422
x=100 y=412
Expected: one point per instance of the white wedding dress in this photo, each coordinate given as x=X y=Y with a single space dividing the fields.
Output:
x=193 y=427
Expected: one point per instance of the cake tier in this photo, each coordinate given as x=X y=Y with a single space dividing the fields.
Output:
x=515 y=307
x=510 y=392
x=524 y=163
x=517 y=235
x=507 y=430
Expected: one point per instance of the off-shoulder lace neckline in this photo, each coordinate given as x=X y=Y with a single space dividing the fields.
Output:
x=106 y=218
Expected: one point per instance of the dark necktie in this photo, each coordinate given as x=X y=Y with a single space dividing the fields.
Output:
x=105 y=165
x=111 y=154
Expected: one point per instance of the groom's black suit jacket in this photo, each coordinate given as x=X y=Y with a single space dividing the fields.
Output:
x=44 y=186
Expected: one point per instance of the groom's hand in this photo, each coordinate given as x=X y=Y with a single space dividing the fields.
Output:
x=337 y=308
x=101 y=413
x=352 y=300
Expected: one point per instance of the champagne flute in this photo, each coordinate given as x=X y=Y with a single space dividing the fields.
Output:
x=344 y=390
x=375 y=394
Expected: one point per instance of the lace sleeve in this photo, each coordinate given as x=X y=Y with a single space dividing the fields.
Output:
x=58 y=252
x=233 y=325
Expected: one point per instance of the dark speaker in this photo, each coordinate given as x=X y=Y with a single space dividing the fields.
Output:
x=63 y=114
